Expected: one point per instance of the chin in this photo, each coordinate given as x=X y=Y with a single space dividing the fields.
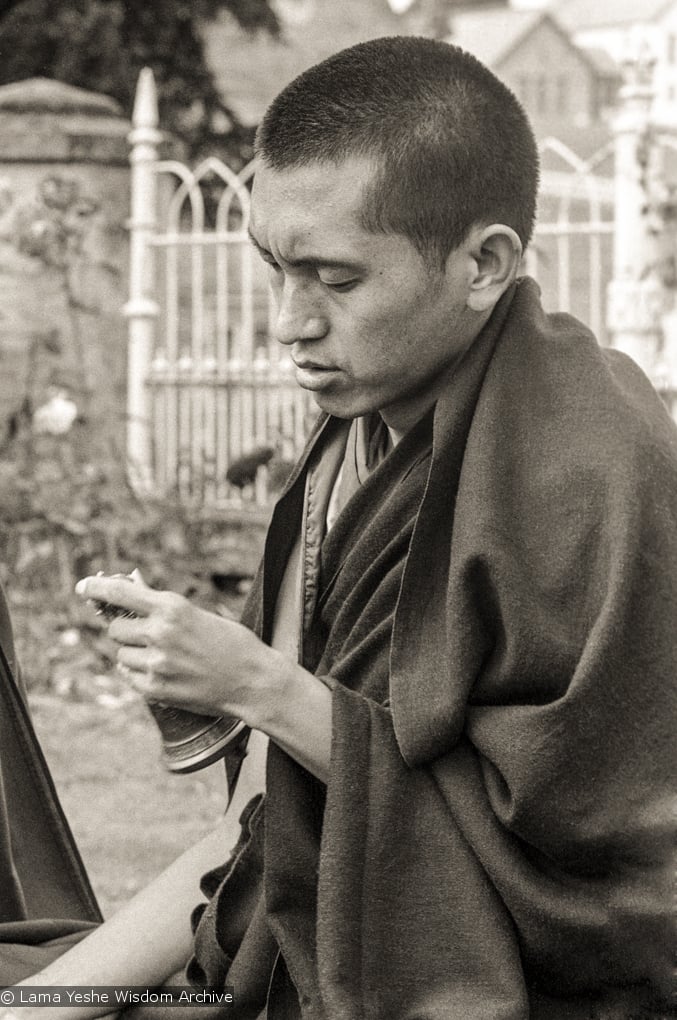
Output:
x=341 y=408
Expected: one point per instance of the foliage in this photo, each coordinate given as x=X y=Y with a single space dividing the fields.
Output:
x=66 y=508
x=65 y=514
x=102 y=45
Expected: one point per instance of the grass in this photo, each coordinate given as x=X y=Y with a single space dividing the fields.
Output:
x=130 y=816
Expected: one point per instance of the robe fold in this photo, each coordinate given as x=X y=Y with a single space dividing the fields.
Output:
x=46 y=900
x=496 y=617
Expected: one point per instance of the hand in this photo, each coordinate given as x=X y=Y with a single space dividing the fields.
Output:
x=175 y=652
x=182 y=655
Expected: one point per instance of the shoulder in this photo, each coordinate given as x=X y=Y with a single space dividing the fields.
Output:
x=570 y=447
x=564 y=396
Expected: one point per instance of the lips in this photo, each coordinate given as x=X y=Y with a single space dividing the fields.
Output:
x=313 y=376
x=304 y=363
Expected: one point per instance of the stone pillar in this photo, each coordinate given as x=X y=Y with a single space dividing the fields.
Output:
x=64 y=201
x=637 y=297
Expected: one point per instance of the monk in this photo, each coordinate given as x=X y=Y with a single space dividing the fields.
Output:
x=458 y=658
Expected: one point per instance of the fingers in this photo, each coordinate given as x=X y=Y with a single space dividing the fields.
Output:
x=129 y=631
x=143 y=659
x=153 y=687
x=120 y=591
x=142 y=681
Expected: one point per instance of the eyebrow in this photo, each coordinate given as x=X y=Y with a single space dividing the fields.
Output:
x=312 y=262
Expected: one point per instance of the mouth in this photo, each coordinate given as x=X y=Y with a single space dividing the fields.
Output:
x=312 y=376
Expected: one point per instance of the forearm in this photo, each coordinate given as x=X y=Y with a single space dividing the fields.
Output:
x=175 y=652
x=295 y=709
x=150 y=937
x=142 y=944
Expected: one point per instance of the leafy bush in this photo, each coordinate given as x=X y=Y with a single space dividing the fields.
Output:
x=64 y=515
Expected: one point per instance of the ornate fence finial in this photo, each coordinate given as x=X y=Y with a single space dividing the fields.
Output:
x=145 y=113
x=638 y=64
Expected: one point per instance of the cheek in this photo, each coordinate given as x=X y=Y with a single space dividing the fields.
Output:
x=381 y=337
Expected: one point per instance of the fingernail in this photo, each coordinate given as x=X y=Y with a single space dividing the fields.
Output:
x=81 y=586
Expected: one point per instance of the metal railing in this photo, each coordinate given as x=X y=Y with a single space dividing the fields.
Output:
x=209 y=393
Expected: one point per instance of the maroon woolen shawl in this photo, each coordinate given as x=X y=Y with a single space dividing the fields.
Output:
x=498 y=626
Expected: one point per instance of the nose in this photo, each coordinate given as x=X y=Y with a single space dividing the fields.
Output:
x=298 y=317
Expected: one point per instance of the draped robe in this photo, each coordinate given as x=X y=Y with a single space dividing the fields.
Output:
x=496 y=621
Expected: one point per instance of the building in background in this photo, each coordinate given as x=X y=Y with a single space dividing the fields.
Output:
x=560 y=84
x=620 y=28
x=564 y=84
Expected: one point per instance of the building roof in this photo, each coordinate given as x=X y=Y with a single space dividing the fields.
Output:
x=494 y=34
x=491 y=35
x=251 y=70
x=580 y=15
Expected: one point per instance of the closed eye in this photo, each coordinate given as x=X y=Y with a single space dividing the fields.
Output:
x=342 y=286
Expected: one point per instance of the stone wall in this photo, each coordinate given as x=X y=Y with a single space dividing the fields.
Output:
x=64 y=200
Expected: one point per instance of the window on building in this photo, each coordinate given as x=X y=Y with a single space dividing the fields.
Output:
x=541 y=94
x=671 y=43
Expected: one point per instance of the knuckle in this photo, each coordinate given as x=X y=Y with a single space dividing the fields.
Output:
x=174 y=607
x=159 y=630
x=158 y=661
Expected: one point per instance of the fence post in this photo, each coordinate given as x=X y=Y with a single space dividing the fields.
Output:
x=142 y=309
x=636 y=296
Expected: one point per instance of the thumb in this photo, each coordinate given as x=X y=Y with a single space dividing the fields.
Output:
x=137 y=577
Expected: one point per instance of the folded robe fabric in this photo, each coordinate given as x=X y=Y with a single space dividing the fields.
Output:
x=45 y=895
x=499 y=634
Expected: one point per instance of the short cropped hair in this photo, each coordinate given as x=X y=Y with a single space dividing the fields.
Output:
x=450 y=143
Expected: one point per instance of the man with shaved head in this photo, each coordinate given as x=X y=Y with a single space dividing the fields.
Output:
x=457 y=658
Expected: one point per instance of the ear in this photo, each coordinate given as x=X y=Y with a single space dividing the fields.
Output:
x=497 y=251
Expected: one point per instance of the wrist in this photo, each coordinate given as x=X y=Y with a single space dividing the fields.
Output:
x=274 y=689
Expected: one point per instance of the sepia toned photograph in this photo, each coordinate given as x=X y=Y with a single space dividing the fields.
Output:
x=338 y=516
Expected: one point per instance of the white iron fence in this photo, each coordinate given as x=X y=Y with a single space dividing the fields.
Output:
x=220 y=390
x=571 y=254
x=214 y=410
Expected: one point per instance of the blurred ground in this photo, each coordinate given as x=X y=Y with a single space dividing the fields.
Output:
x=130 y=816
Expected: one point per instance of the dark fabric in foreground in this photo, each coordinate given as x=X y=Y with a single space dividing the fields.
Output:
x=498 y=627
x=46 y=900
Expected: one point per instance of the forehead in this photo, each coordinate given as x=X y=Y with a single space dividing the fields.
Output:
x=314 y=201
